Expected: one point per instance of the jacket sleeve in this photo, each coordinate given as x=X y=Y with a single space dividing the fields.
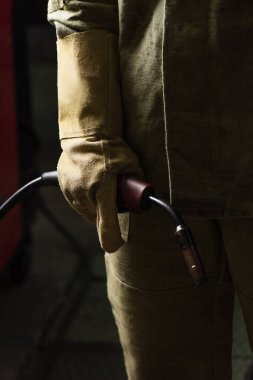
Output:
x=72 y=16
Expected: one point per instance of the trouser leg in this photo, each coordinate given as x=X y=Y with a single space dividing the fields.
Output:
x=168 y=327
x=237 y=234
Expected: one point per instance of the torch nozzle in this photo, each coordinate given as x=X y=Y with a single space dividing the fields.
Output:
x=190 y=255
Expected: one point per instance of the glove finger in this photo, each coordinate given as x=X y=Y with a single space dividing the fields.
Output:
x=71 y=184
x=107 y=216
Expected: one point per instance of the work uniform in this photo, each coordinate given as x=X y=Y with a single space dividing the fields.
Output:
x=186 y=73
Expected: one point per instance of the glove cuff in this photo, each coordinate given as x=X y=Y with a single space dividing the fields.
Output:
x=89 y=85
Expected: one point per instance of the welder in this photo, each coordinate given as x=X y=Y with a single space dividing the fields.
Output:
x=163 y=90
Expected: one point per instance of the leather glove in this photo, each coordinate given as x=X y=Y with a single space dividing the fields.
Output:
x=90 y=123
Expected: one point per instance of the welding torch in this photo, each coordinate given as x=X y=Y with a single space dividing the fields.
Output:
x=135 y=196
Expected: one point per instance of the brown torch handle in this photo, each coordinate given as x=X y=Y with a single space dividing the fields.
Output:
x=133 y=194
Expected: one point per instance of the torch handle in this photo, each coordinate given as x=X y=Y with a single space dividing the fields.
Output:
x=133 y=194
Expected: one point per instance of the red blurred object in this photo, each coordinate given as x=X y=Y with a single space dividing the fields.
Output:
x=10 y=227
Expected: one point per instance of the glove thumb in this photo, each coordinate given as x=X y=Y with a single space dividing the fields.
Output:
x=107 y=216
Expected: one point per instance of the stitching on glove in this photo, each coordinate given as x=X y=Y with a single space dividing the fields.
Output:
x=80 y=133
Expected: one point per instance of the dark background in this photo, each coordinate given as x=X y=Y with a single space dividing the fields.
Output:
x=56 y=322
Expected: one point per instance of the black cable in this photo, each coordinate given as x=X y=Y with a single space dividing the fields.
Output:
x=46 y=179
x=165 y=206
x=16 y=197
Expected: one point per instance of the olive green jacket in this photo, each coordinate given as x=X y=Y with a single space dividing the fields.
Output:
x=187 y=94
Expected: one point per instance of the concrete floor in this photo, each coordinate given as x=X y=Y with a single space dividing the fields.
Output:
x=58 y=325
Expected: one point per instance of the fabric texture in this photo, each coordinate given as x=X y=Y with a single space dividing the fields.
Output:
x=168 y=327
x=90 y=124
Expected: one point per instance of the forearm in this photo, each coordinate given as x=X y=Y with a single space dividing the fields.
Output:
x=90 y=112
x=71 y=16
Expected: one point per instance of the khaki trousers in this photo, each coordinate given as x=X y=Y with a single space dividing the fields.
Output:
x=169 y=328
